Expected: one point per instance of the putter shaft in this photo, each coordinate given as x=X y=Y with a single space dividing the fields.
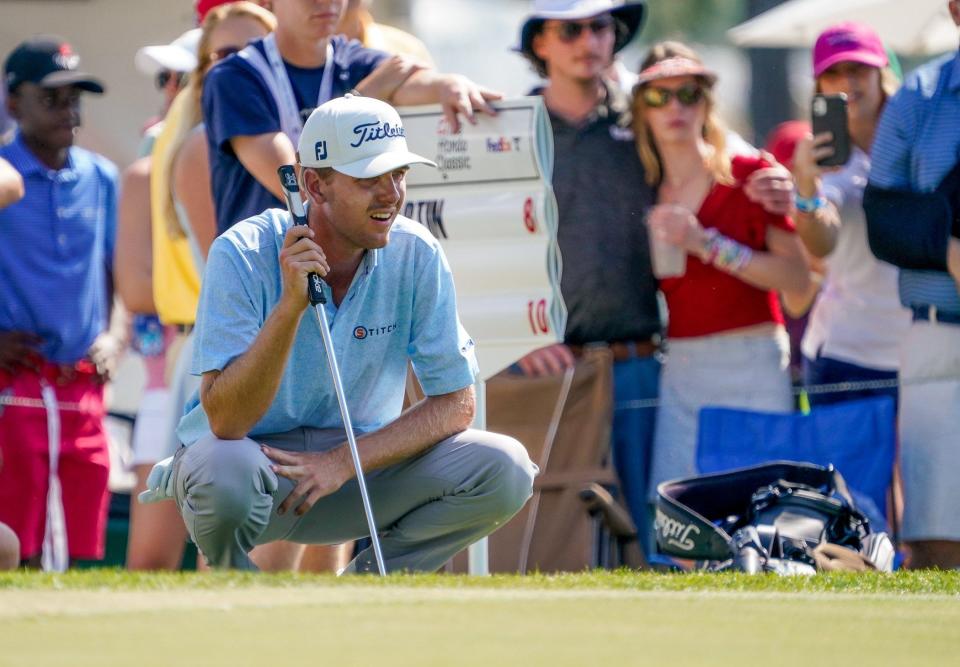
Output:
x=351 y=439
x=291 y=191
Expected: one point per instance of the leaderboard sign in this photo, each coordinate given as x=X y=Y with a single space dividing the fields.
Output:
x=491 y=205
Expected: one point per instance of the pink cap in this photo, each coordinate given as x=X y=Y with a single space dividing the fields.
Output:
x=848 y=42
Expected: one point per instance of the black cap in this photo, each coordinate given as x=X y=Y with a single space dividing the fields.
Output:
x=48 y=62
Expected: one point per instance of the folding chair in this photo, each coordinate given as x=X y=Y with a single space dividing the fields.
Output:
x=857 y=437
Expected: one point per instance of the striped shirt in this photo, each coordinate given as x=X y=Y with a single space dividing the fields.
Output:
x=917 y=144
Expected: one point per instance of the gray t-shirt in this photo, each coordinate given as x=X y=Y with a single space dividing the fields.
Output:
x=607 y=282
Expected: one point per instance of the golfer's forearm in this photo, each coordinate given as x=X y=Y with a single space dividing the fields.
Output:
x=419 y=428
x=238 y=396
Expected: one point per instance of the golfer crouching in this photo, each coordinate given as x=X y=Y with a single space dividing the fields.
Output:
x=265 y=455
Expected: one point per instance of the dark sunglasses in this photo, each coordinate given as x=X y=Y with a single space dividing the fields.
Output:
x=689 y=95
x=570 y=31
x=164 y=77
x=223 y=53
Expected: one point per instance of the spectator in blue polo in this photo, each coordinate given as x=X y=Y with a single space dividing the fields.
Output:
x=56 y=345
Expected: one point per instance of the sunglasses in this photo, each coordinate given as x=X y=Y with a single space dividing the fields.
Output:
x=570 y=31
x=165 y=76
x=225 y=52
x=655 y=97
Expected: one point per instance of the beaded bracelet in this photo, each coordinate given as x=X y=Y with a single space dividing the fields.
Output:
x=725 y=253
x=809 y=204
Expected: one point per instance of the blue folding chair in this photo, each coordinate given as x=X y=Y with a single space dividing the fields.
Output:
x=857 y=437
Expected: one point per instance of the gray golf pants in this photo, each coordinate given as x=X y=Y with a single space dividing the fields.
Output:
x=427 y=508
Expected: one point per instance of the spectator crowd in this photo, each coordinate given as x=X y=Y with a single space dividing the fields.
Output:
x=686 y=251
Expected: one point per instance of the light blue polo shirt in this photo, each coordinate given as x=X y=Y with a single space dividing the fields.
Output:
x=400 y=306
x=56 y=251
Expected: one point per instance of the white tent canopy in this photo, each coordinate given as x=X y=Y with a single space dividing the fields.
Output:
x=909 y=27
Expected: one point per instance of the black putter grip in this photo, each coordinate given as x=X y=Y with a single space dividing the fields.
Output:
x=291 y=192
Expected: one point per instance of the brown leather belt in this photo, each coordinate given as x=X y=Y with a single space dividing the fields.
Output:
x=622 y=350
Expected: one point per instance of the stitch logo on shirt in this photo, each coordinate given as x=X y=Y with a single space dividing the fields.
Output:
x=362 y=332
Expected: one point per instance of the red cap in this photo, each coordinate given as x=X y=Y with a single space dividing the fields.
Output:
x=782 y=140
x=204 y=6
x=848 y=42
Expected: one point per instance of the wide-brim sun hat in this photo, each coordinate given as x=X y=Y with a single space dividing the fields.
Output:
x=358 y=136
x=631 y=14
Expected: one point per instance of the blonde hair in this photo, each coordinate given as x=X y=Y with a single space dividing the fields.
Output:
x=714 y=132
x=193 y=91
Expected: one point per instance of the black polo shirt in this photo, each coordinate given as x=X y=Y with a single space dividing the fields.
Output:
x=607 y=282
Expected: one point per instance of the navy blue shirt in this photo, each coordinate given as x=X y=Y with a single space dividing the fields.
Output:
x=56 y=250
x=237 y=102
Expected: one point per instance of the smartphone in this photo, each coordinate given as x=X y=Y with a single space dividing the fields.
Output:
x=829 y=114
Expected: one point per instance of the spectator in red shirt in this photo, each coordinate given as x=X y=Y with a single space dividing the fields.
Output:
x=728 y=345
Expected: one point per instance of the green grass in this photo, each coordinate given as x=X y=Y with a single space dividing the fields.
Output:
x=930 y=582
x=109 y=617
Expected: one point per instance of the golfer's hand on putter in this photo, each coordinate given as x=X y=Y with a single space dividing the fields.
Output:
x=315 y=475
x=299 y=257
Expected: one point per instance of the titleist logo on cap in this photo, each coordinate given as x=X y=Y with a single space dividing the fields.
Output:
x=375 y=131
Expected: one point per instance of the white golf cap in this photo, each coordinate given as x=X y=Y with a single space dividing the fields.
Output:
x=358 y=136
x=180 y=55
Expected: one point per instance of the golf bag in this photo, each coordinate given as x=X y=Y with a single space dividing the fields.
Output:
x=784 y=517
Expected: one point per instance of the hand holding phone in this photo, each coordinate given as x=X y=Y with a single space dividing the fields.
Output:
x=829 y=114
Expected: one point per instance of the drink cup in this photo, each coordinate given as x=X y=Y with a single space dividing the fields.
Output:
x=667 y=260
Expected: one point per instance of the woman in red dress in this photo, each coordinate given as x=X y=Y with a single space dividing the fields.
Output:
x=727 y=342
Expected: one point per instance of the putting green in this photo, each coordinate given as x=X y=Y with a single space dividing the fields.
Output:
x=442 y=621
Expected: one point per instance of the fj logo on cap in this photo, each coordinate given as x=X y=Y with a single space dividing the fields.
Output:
x=320 y=150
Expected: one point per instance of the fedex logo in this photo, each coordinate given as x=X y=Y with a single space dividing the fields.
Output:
x=320 y=150
x=503 y=144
